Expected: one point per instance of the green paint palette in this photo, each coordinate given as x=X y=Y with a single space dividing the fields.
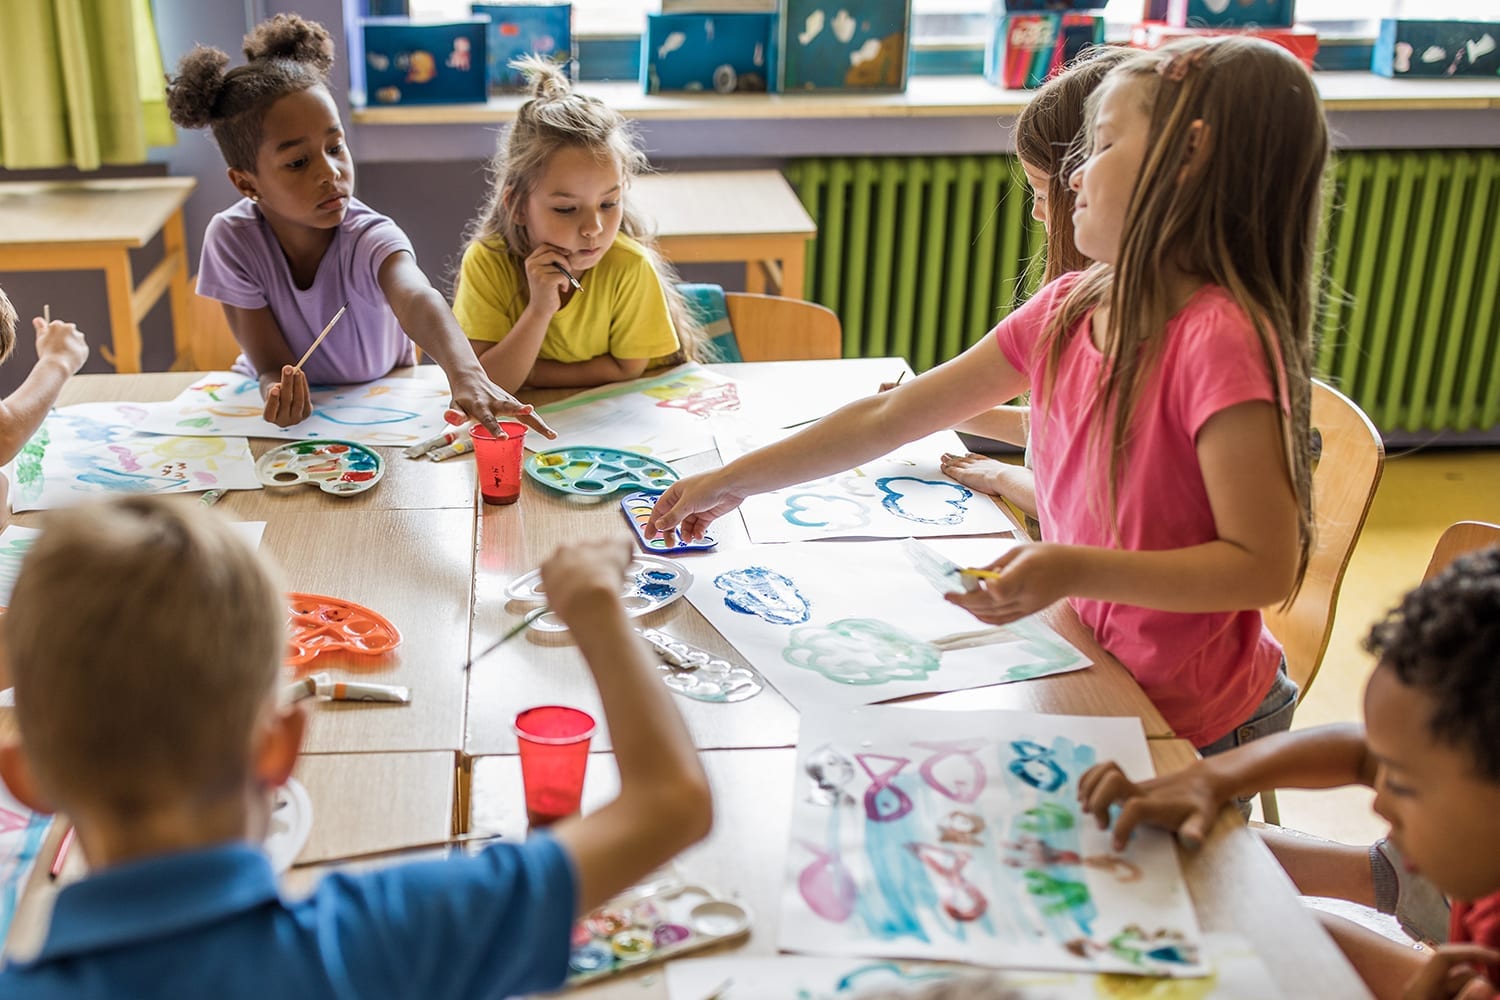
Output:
x=586 y=471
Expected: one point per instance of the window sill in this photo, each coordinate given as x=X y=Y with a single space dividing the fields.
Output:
x=925 y=97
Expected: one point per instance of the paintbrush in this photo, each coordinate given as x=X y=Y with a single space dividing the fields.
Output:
x=47 y=313
x=432 y=845
x=336 y=317
x=569 y=275
x=510 y=634
x=721 y=991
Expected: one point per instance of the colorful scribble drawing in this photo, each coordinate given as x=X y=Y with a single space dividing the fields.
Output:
x=830 y=771
x=884 y=801
x=861 y=651
x=701 y=398
x=924 y=500
x=21 y=836
x=765 y=594
x=814 y=510
x=14 y=544
x=959 y=854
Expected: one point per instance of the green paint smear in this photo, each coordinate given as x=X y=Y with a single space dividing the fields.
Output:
x=1049 y=817
x=1056 y=896
x=195 y=422
x=861 y=651
x=29 y=461
x=1046 y=652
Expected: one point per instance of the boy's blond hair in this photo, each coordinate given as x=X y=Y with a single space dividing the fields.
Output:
x=145 y=639
x=7 y=326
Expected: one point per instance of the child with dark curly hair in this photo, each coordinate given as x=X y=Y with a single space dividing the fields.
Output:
x=299 y=245
x=1428 y=748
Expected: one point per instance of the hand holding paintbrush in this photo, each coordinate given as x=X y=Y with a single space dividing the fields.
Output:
x=288 y=400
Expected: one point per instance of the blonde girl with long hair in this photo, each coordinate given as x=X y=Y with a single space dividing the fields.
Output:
x=561 y=284
x=1170 y=387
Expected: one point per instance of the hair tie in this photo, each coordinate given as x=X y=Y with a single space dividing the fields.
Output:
x=1180 y=64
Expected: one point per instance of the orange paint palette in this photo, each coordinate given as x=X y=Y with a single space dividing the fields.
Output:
x=320 y=624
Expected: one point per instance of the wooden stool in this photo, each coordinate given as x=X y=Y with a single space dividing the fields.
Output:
x=93 y=225
x=731 y=215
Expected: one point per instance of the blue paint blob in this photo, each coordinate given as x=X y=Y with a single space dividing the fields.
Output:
x=655 y=591
x=659 y=574
x=898 y=501
x=765 y=594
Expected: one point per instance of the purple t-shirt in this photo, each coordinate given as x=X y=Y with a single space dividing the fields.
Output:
x=244 y=266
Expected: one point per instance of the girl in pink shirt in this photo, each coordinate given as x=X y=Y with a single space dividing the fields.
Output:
x=1170 y=388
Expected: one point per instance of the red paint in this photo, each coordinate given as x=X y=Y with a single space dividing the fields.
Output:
x=356 y=477
x=336 y=449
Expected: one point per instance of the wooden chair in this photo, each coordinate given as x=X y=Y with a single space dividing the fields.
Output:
x=1458 y=539
x=210 y=345
x=1345 y=476
x=769 y=328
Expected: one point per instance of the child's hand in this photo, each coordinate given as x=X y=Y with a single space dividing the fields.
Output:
x=1187 y=802
x=61 y=342
x=1032 y=577
x=579 y=574
x=478 y=398
x=287 y=401
x=1451 y=973
x=547 y=283
x=689 y=506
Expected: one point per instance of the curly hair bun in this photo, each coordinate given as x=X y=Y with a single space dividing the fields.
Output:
x=546 y=78
x=295 y=39
x=193 y=92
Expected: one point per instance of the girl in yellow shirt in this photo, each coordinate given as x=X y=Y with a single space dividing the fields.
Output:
x=559 y=285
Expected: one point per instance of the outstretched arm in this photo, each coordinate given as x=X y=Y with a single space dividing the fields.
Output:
x=426 y=318
x=1188 y=801
x=60 y=351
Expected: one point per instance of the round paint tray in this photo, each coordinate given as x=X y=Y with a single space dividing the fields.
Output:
x=598 y=471
x=318 y=624
x=649 y=584
x=342 y=468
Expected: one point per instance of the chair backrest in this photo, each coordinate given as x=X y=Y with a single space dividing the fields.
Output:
x=770 y=328
x=1344 y=480
x=211 y=346
x=1465 y=536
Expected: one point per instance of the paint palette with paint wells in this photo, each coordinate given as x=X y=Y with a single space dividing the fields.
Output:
x=318 y=624
x=650 y=583
x=342 y=468
x=597 y=472
x=638 y=507
x=642 y=927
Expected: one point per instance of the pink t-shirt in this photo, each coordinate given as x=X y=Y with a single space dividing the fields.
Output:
x=1206 y=673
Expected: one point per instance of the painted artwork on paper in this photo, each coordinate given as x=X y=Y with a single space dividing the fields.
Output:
x=15 y=542
x=902 y=495
x=855 y=623
x=1238 y=974
x=95 y=449
x=958 y=836
x=665 y=416
x=387 y=411
x=21 y=834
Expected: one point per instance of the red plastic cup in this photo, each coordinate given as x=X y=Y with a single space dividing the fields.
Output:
x=498 y=461
x=554 y=755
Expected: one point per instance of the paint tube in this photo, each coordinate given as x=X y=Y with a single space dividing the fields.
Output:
x=327 y=687
x=421 y=448
x=444 y=452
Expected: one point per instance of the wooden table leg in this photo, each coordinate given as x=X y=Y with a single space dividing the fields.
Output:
x=125 y=331
x=793 y=269
x=755 y=277
x=175 y=245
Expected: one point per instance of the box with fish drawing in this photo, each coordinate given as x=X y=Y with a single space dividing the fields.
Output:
x=726 y=53
x=1409 y=48
x=523 y=29
x=852 y=45
x=1223 y=13
x=423 y=62
x=1025 y=50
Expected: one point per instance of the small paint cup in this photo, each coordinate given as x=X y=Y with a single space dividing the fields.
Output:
x=498 y=461
x=554 y=756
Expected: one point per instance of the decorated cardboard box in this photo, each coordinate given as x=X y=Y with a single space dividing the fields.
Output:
x=1299 y=39
x=1056 y=6
x=1437 y=48
x=714 y=52
x=1223 y=13
x=849 y=45
x=423 y=62
x=1026 y=49
x=523 y=29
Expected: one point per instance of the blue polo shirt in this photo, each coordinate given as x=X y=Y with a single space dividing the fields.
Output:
x=212 y=924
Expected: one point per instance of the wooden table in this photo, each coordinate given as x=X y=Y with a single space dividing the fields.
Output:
x=731 y=215
x=1235 y=883
x=93 y=225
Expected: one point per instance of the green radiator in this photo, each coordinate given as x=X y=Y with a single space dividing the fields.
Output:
x=921 y=256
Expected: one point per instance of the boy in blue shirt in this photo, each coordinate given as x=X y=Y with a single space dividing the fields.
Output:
x=150 y=717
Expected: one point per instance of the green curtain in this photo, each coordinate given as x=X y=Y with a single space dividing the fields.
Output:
x=81 y=84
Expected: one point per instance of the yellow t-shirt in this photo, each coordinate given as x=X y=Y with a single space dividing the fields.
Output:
x=621 y=310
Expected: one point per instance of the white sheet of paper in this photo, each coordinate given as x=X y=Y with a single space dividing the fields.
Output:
x=15 y=542
x=387 y=411
x=666 y=416
x=958 y=836
x=901 y=495
x=853 y=623
x=97 y=449
x=1238 y=974
x=788 y=393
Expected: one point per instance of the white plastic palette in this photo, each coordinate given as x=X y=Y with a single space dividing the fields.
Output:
x=650 y=583
x=639 y=928
x=291 y=822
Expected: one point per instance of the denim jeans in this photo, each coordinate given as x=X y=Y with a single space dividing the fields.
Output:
x=1272 y=715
